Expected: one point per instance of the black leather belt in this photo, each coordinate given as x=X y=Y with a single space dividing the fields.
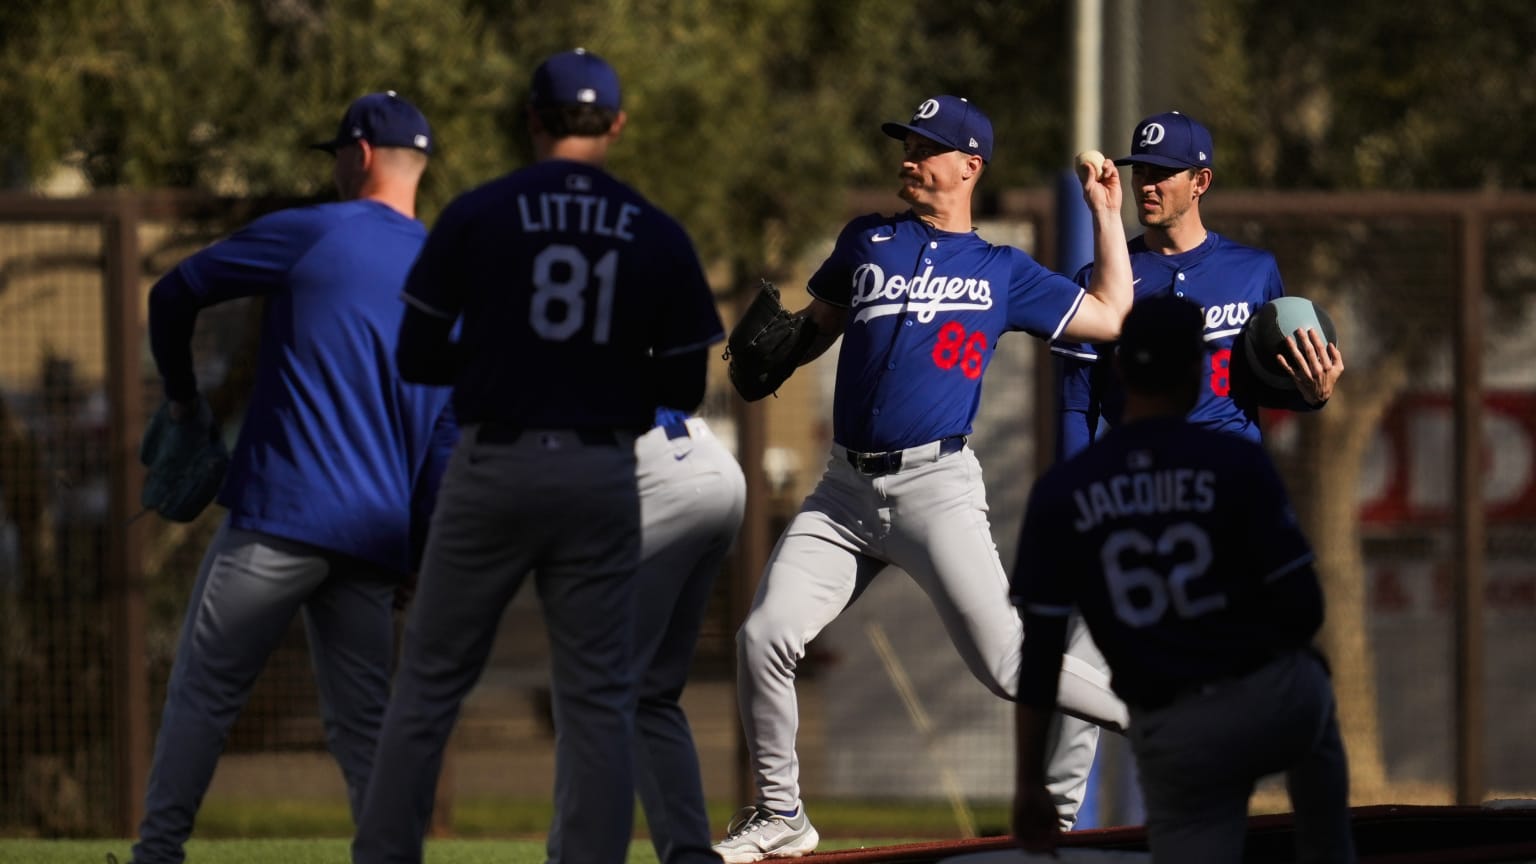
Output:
x=494 y=432
x=884 y=463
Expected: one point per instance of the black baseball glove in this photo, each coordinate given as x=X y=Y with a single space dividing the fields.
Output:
x=186 y=460
x=766 y=345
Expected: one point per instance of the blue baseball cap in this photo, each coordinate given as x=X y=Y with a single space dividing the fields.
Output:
x=1171 y=140
x=576 y=77
x=951 y=121
x=383 y=120
x=1162 y=339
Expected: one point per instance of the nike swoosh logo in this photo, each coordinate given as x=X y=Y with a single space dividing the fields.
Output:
x=678 y=457
x=881 y=238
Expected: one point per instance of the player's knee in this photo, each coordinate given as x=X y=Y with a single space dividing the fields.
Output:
x=763 y=640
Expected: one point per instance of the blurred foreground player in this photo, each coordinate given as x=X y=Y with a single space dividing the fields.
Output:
x=1179 y=546
x=581 y=307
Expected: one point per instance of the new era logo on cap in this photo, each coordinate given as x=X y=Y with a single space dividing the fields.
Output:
x=951 y=121
x=1170 y=140
x=383 y=120
x=576 y=77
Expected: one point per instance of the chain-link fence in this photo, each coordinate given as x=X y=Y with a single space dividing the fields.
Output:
x=90 y=599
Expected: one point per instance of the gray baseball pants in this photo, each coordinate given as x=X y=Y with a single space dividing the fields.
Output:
x=930 y=519
x=568 y=511
x=248 y=590
x=692 y=496
x=1199 y=757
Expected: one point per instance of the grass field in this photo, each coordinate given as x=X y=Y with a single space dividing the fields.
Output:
x=505 y=831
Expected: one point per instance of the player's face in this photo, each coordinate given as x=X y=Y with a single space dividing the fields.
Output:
x=928 y=168
x=1165 y=195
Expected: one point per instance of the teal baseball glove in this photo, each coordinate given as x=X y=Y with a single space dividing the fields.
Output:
x=186 y=460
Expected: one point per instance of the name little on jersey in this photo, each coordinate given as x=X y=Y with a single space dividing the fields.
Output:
x=578 y=213
x=875 y=294
x=1144 y=493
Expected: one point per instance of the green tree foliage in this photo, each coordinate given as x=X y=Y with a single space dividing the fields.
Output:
x=225 y=95
x=749 y=118
x=1326 y=95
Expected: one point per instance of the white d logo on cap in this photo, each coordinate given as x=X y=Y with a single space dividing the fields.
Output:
x=926 y=110
x=1152 y=134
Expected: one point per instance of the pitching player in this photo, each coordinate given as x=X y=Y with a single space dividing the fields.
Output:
x=1172 y=159
x=334 y=454
x=1178 y=545
x=919 y=300
x=580 y=307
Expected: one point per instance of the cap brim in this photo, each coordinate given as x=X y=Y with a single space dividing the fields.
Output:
x=1160 y=161
x=899 y=132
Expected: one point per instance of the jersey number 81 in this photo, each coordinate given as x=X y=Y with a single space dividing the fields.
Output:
x=561 y=274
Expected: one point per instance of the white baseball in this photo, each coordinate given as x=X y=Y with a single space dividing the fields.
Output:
x=1093 y=160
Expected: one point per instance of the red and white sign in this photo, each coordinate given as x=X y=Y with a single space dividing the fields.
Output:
x=1409 y=466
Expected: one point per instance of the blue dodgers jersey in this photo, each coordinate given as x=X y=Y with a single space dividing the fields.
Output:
x=1229 y=281
x=1178 y=544
x=566 y=283
x=926 y=308
x=333 y=442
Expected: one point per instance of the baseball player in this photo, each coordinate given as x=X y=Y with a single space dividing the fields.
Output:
x=335 y=455
x=580 y=307
x=919 y=300
x=1177 y=543
x=1172 y=159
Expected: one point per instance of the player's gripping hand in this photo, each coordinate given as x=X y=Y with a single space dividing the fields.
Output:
x=1315 y=364
x=1036 y=827
x=1101 y=187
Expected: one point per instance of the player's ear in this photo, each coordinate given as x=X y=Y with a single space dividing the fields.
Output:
x=973 y=166
x=1202 y=181
x=617 y=127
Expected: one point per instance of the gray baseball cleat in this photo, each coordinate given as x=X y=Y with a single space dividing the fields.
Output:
x=759 y=834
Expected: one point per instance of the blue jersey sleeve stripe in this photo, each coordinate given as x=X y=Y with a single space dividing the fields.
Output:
x=1071 y=313
x=692 y=346
x=1289 y=567
x=427 y=308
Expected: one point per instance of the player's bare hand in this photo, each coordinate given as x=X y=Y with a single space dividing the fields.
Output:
x=1314 y=364
x=1101 y=189
x=1035 y=824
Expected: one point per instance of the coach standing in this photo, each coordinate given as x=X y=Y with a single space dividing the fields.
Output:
x=582 y=308
x=335 y=456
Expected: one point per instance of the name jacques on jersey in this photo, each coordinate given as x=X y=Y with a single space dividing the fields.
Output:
x=1144 y=493
x=575 y=212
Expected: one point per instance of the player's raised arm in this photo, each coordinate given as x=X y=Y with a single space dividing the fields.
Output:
x=1109 y=288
